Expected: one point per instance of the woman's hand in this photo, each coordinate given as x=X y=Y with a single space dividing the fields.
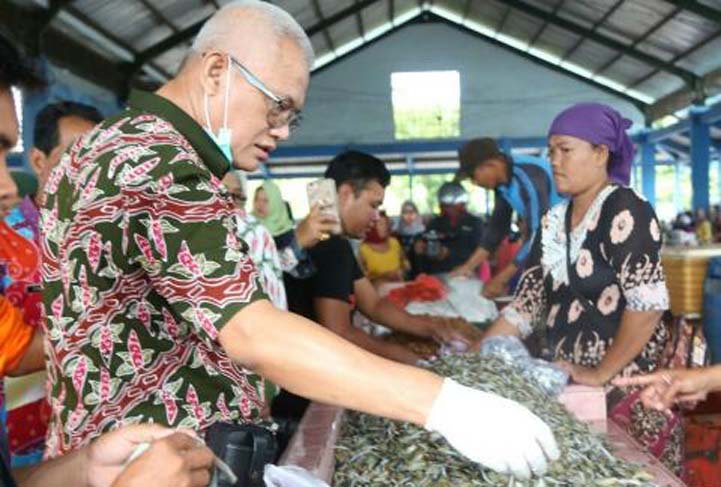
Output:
x=587 y=376
x=462 y=271
x=494 y=288
x=315 y=227
x=666 y=387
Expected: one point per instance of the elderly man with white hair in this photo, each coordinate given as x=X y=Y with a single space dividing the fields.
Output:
x=154 y=308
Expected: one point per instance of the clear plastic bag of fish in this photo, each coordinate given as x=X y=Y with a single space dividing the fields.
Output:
x=549 y=377
x=510 y=349
x=290 y=476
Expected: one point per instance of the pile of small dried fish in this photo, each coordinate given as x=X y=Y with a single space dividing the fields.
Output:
x=378 y=452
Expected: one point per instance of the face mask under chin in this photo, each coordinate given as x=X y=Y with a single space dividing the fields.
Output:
x=225 y=135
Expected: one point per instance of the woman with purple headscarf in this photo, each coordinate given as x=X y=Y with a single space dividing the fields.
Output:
x=594 y=287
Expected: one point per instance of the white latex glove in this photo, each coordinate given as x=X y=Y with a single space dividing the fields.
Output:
x=495 y=432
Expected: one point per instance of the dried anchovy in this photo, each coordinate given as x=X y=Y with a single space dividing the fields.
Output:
x=378 y=452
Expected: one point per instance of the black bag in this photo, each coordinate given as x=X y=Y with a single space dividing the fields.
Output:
x=246 y=448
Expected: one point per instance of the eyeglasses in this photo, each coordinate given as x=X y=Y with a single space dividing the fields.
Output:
x=283 y=113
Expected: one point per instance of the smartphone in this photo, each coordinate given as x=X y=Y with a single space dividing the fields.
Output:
x=322 y=192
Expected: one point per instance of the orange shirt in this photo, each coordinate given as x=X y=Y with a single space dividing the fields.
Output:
x=15 y=336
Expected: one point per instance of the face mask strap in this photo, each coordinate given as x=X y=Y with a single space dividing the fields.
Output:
x=207 y=113
x=227 y=94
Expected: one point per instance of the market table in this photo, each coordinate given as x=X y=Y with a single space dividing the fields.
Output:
x=312 y=447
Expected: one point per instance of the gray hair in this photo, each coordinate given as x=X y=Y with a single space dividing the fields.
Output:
x=216 y=32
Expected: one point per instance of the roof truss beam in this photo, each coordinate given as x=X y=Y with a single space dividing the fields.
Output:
x=540 y=31
x=638 y=41
x=697 y=89
x=359 y=23
x=542 y=62
x=595 y=26
x=699 y=9
x=190 y=31
x=103 y=32
x=504 y=19
x=54 y=7
x=160 y=16
x=613 y=44
x=467 y=9
x=326 y=34
x=340 y=16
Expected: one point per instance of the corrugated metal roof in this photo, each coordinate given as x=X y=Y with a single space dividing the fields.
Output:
x=647 y=50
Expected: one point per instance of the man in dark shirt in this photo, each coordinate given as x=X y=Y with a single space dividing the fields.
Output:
x=521 y=184
x=339 y=285
x=456 y=231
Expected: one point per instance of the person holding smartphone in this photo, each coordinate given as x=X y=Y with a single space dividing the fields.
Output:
x=292 y=241
x=339 y=285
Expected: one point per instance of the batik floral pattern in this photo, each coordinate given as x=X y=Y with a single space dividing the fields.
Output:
x=142 y=268
x=616 y=260
x=615 y=255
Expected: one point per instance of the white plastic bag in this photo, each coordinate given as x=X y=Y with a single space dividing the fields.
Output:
x=290 y=476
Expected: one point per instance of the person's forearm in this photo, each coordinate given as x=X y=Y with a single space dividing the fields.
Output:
x=377 y=346
x=70 y=469
x=310 y=361
x=477 y=258
x=33 y=359
x=507 y=273
x=715 y=377
x=637 y=328
x=388 y=314
x=501 y=327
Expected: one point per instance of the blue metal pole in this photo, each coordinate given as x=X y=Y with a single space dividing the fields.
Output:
x=648 y=167
x=700 y=158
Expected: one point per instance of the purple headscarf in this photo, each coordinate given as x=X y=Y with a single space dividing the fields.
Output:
x=600 y=124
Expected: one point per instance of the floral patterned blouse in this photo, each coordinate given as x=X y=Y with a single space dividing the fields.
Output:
x=615 y=258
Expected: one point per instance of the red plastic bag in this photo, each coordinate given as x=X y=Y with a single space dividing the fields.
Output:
x=424 y=288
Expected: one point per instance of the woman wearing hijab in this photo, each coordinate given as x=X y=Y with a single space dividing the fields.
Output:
x=598 y=296
x=409 y=229
x=292 y=242
x=410 y=223
x=381 y=255
x=270 y=209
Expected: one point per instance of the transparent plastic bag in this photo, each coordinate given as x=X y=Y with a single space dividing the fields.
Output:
x=290 y=476
x=508 y=348
x=549 y=377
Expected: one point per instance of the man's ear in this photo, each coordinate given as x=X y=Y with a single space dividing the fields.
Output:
x=345 y=194
x=37 y=160
x=213 y=65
